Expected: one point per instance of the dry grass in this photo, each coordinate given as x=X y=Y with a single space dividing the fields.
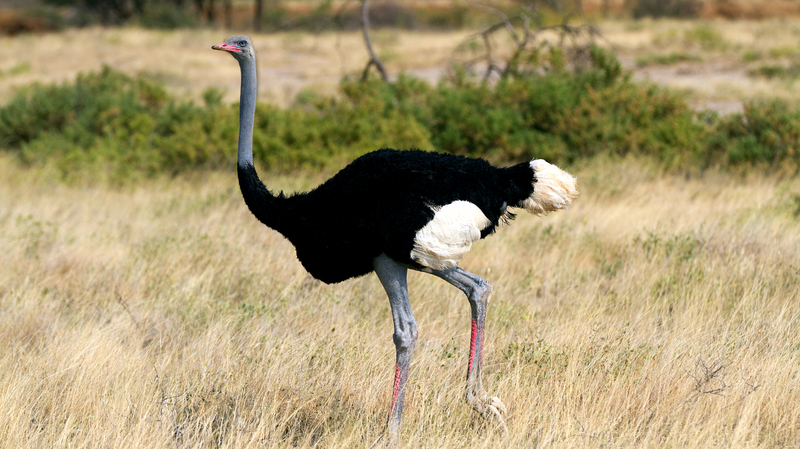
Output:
x=288 y=62
x=725 y=51
x=715 y=75
x=658 y=312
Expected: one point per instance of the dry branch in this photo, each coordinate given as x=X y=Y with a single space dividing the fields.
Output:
x=574 y=41
x=373 y=58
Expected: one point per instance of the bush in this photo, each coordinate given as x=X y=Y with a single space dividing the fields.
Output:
x=767 y=133
x=666 y=8
x=110 y=126
x=167 y=16
x=104 y=119
x=667 y=59
x=707 y=37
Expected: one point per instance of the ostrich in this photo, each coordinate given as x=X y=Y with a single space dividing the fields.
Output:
x=390 y=211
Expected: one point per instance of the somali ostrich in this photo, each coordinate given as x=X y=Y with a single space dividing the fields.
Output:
x=390 y=211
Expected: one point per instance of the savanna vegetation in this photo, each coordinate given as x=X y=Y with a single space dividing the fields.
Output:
x=141 y=305
x=115 y=127
x=658 y=310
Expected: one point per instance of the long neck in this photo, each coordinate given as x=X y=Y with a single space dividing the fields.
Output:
x=247 y=111
x=271 y=210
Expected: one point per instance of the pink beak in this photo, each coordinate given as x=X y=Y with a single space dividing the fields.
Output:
x=226 y=47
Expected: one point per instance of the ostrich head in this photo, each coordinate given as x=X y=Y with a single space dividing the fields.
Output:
x=239 y=46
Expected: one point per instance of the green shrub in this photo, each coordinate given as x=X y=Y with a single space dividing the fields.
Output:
x=789 y=72
x=665 y=8
x=707 y=37
x=752 y=55
x=167 y=16
x=766 y=133
x=107 y=119
x=110 y=126
x=80 y=111
x=667 y=59
x=785 y=51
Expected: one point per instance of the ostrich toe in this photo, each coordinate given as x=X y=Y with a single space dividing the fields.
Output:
x=489 y=407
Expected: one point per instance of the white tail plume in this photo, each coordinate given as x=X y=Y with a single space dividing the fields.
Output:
x=553 y=189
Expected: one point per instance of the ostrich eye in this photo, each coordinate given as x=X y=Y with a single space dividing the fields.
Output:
x=242 y=43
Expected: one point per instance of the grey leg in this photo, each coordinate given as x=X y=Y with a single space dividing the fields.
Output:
x=393 y=278
x=478 y=292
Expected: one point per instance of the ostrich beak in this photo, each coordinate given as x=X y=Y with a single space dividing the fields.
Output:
x=226 y=47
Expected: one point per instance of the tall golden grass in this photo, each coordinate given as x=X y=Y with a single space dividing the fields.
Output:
x=659 y=311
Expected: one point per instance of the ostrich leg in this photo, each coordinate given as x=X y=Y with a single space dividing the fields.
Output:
x=393 y=278
x=478 y=291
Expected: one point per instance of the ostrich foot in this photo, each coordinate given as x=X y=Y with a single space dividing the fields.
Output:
x=489 y=407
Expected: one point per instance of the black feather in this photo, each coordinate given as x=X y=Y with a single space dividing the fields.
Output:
x=378 y=203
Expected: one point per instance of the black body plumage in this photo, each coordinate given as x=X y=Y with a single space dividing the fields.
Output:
x=378 y=203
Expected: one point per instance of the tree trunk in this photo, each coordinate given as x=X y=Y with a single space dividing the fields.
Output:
x=373 y=58
x=227 y=6
x=258 y=15
x=211 y=12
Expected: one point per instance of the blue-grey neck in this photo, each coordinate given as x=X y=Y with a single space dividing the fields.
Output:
x=247 y=110
x=273 y=211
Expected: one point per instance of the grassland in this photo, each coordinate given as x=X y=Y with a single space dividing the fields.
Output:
x=717 y=57
x=184 y=61
x=658 y=311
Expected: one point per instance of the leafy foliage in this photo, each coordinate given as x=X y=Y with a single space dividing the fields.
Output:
x=766 y=133
x=110 y=126
x=110 y=122
x=664 y=8
x=667 y=59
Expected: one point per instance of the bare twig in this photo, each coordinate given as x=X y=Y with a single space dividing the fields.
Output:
x=575 y=42
x=373 y=58
x=751 y=388
x=257 y=16
x=318 y=22
x=704 y=375
x=504 y=20
x=124 y=305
